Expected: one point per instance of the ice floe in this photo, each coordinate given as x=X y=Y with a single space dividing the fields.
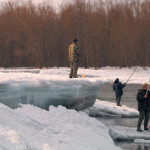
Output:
x=109 y=109
x=120 y=133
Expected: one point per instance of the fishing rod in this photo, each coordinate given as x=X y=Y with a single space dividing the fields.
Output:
x=148 y=86
x=131 y=75
x=111 y=82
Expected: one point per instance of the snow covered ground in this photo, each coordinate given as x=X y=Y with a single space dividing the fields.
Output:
x=109 y=74
x=30 y=127
x=105 y=74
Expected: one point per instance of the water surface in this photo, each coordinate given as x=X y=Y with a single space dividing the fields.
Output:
x=129 y=99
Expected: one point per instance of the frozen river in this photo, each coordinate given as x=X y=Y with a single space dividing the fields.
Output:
x=129 y=98
x=84 y=95
x=40 y=87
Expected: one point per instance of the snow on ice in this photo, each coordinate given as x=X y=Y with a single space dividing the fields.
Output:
x=30 y=127
x=46 y=88
x=109 y=109
x=120 y=133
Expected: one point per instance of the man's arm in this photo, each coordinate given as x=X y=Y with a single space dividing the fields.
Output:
x=76 y=50
x=121 y=86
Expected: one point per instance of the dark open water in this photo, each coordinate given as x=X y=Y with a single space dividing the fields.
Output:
x=129 y=99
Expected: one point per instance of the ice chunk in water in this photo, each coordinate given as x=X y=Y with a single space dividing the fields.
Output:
x=74 y=95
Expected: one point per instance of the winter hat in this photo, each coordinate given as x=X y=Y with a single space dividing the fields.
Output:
x=117 y=80
x=145 y=85
x=75 y=40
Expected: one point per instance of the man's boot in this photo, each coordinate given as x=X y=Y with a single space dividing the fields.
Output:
x=118 y=103
x=139 y=130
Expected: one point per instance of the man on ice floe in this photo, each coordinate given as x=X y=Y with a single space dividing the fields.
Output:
x=74 y=55
x=143 y=98
x=118 y=89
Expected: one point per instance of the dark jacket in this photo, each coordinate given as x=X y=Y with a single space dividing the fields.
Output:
x=76 y=54
x=143 y=103
x=117 y=87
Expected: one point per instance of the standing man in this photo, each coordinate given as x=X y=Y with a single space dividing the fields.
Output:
x=74 y=55
x=118 y=89
x=143 y=98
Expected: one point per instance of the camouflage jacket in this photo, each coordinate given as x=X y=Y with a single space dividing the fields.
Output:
x=74 y=53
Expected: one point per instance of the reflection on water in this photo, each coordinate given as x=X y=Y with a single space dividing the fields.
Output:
x=132 y=146
x=129 y=99
x=117 y=121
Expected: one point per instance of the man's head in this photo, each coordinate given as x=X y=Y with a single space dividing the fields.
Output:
x=117 y=80
x=75 y=41
x=144 y=86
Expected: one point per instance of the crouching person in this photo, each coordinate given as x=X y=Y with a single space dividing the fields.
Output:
x=143 y=98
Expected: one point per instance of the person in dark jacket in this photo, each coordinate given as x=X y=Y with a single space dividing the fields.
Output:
x=143 y=98
x=118 y=89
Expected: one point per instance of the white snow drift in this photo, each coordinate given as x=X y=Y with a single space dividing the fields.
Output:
x=30 y=127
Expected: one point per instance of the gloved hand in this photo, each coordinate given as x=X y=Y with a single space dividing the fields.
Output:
x=124 y=84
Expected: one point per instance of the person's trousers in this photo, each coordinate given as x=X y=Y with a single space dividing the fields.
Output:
x=118 y=99
x=73 y=70
x=143 y=114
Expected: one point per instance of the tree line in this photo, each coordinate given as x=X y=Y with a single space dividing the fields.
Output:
x=110 y=33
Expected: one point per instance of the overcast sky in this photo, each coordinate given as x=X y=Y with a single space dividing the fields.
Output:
x=55 y=3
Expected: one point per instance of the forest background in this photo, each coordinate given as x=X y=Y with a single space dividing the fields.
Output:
x=110 y=33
